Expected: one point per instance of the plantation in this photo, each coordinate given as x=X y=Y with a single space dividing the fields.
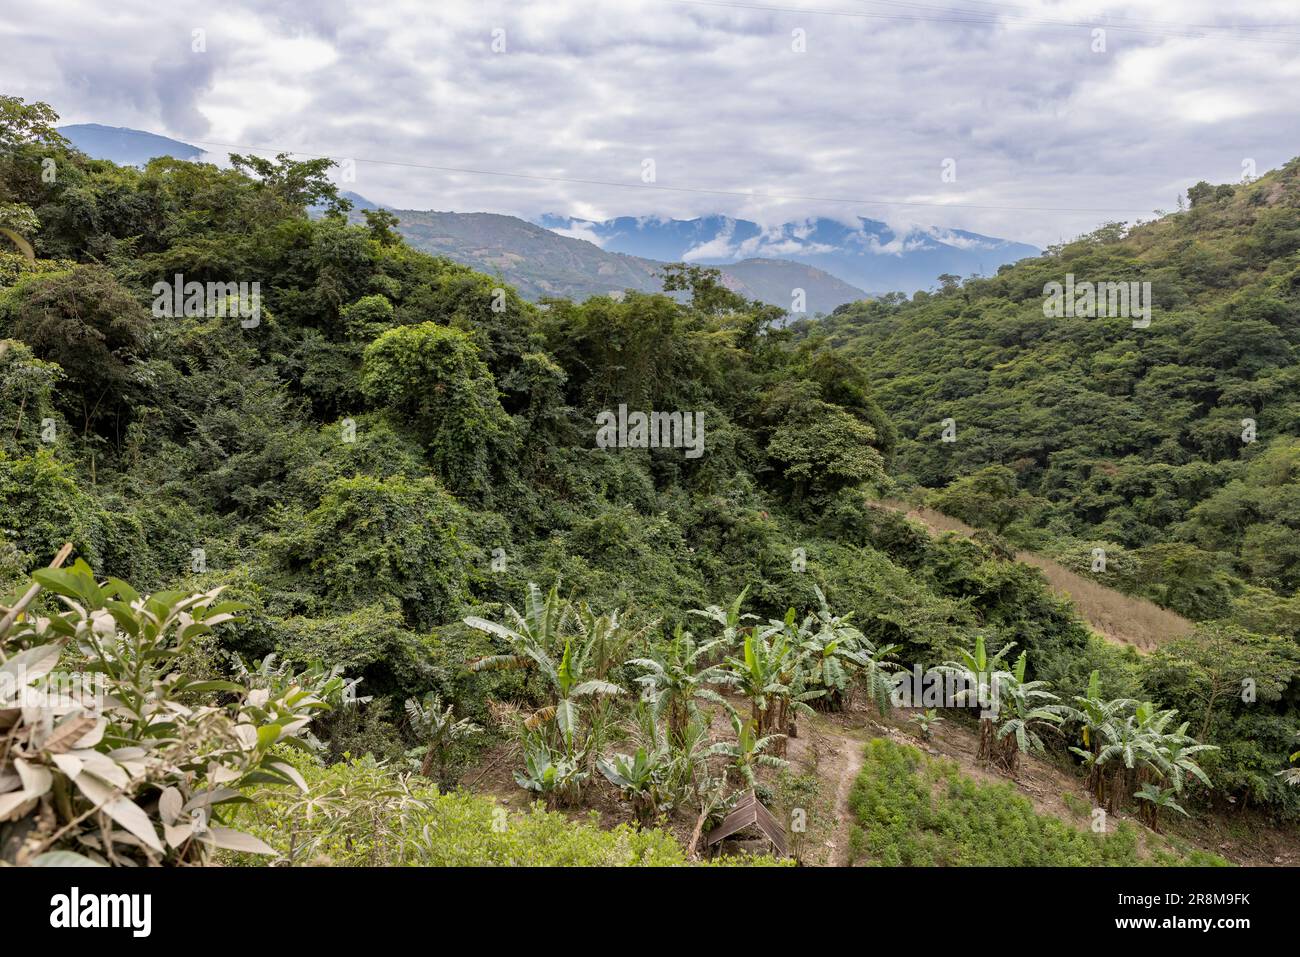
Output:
x=917 y=812
x=337 y=566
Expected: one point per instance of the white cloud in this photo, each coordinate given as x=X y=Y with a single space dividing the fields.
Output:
x=588 y=89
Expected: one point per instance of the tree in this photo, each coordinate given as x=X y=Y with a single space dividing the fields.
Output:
x=294 y=185
x=1219 y=667
x=383 y=226
x=91 y=326
x=433 y=377
x=989 y=498
x=821 y=449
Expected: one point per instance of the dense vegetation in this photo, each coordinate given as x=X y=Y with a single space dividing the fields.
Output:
x=399 y=447
x=1162 y=460
x=915 y=811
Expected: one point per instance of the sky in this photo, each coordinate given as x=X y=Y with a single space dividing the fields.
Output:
x=1016 y=120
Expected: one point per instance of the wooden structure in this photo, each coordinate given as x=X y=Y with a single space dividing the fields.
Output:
x=749 y=812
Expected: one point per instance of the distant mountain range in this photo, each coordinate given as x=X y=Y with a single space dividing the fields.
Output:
x=866 y=253
x=540 y=262
x=832 y=262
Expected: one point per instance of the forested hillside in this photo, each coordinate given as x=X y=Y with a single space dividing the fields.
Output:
x=1162 y=459
x=385 y=450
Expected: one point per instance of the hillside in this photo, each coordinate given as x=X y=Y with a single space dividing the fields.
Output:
x=541 y=263
x=537 y=261
x=377 y=526
x=1173 y=446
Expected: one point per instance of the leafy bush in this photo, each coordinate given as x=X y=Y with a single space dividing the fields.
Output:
x=366 y=814
x=105 y=735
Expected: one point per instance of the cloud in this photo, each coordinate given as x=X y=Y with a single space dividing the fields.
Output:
x=581 y=230
x=719 y=97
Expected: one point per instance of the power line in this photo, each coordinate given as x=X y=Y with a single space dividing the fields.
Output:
x=1119 y=16
x=747 y=194
x=974 y=17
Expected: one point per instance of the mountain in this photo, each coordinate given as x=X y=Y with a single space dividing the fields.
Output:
x=125 y=146
x=867 y=254
x=541 y=262
x=831 y=262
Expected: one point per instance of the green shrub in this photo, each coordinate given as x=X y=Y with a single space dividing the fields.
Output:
x=914 y=811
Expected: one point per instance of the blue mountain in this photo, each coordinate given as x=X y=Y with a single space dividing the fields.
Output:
x=863 y=252
x=124 y=146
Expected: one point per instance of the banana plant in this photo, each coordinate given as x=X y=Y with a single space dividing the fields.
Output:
x=677 y=676
x=1291 y=775
x=982 y=674
x=638 y=777
x=440 y=731
x=555 y=778
x=1095 y=715
x=1025 y=706
x=926 y=721
x=768 y=673
x=533 y=640
x=749 y=751
x=730 y=618
x=1156 y=798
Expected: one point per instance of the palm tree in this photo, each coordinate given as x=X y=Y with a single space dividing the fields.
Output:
x=677 y=676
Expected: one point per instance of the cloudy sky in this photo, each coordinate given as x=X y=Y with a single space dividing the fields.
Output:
x=772 y=111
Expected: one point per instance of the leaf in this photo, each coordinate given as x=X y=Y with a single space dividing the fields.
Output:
x=268 y=734
x=204 y=686
x=170 y=803
x=289 y=771
x=177 y=834
x=232 y=840
x=63 y=859
x=33 y=664
x=66 y=735
x=10 y=803
x=69 y=764
x=121 y=809
x=482 y=624
x=36 y=779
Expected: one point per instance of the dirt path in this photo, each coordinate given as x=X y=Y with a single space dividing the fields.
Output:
x=1119 y=618
x=841 y=854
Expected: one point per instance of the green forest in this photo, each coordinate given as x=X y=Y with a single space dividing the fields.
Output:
x=345 y=552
